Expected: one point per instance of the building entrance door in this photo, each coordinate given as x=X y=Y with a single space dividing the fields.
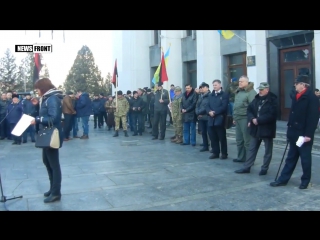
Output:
x=293 y=62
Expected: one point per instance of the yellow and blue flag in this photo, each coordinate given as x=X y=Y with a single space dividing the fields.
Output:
x=156 y=75
x=227 y=34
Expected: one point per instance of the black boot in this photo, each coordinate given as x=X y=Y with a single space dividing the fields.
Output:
x=126 y=133
x=47 y=194
x=116 y=134
x=52 y=199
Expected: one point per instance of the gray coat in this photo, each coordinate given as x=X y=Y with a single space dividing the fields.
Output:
x=202 y=103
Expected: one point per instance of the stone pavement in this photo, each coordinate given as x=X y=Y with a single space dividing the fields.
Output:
x=136 y=173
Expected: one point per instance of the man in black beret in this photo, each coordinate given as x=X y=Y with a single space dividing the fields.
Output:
x=302 y=124
x=161 y=101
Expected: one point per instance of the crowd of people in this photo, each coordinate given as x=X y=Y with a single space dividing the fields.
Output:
x=254 y=115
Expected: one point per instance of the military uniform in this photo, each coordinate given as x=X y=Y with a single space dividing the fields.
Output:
x=121 y=114
x=177 y=118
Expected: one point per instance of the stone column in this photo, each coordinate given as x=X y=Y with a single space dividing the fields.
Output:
x=208 y=56
x=257 y=48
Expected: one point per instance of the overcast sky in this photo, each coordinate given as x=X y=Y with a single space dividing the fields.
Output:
x=61 y=59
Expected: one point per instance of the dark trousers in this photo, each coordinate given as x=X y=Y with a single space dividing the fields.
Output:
x=137 y=118
x=149 y=120
x=130 y=121
x=31 y=130
x=304 y=152
x=189 y=133
x=204 y=132
x=143 y=121
x=75 y=126
x=15 y=138
x=159 y=119
x=96 y=119
x=102 y=118
x=253 y=150
x=8 y=130
x=50 y=158
x=218 y=140
x=3 y=126
x=68 y=121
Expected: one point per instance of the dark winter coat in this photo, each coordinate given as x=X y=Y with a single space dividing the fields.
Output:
x=219 y=104
x=137 y=103
x=304 y=116
x=158 y=106
x=189 y=103
x=103 y=102
x=151 y=106
x=51 y=110
x=28 y=108
x=3 y=107
x=96 y=106
x=266 y=116
x=201 y=108
x=14 y=112
x=83 y=106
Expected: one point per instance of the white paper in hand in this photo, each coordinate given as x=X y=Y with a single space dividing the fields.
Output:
x=22 y=125
x=300 y=141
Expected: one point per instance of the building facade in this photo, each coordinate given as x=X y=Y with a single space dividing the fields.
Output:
x=196 y=56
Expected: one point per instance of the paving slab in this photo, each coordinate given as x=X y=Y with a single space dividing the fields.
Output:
x=106 y=173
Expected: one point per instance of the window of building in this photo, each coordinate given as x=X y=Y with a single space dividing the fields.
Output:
x=189 y=33
x=237 y=65
x=192 y=73
x=156 y=37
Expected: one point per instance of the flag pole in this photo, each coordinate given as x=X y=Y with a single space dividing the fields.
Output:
x=243 y=40
x=160 y=71
x=116 y=93
x=168 y=85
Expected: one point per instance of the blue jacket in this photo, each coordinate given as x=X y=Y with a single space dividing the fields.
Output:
x=51 y=110
x=171 y=94
x=83 y=106
x=103 y=101
x=219 y=104
x=96 y=106
x=28 y=108
x=15 y=112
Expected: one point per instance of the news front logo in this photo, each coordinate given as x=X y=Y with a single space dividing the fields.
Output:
x=35 y=48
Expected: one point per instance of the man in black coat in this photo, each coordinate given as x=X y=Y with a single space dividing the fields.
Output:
x=303 y=120
x=217 y=110
x=189 y=117
x=202 y=115
x=161 y=101
x=262 y=123
x=137 y=106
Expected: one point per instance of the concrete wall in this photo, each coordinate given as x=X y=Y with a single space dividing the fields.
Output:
x=317 y=57
x=257 y=48
x=233 y=45
x=154 y=55
x=208 y=56
x=172 y=39
x=132 y=53
x=188 y=49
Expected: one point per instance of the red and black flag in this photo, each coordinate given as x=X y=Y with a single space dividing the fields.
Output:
x=37 y=67
x=163 y=76
x=115 y=75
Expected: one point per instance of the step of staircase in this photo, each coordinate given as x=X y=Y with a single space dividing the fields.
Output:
x=281 y=138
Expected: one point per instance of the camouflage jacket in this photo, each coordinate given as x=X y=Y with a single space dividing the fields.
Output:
x=176 y=108
x=122 y=108
x=231 y=90
x=108 y=107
